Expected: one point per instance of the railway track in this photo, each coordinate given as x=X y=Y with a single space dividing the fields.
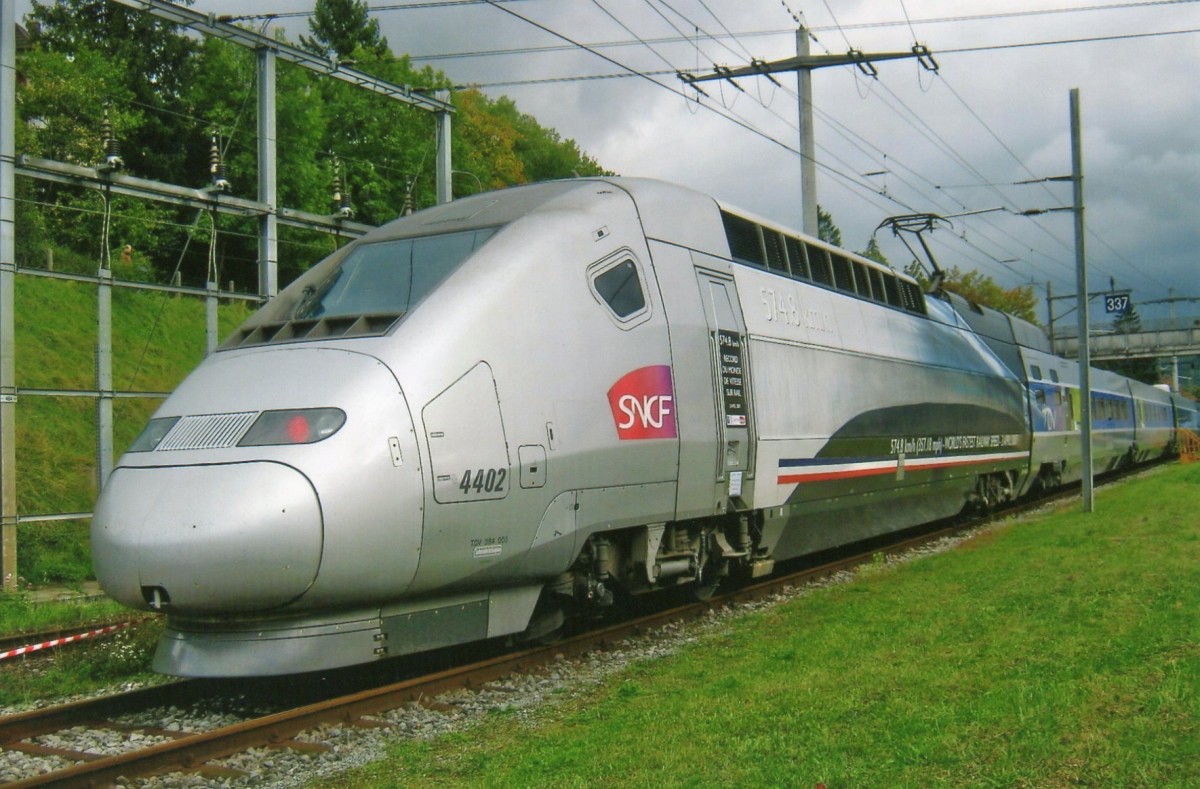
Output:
x=152 y=750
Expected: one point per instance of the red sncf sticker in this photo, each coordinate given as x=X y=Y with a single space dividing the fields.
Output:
x=643 y=404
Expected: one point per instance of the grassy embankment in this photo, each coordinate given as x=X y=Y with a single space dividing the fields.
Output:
x=1057 y=651
x=157 y=339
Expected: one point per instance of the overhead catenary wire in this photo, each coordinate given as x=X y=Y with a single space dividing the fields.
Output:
x=824 y=166
x=842 y=28
x=726 y=113
x=983 y=180
x=1045 y=188
x=961 y=50
x=775 y=32
x=845 y=132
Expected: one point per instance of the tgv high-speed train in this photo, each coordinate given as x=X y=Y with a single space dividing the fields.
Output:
x=499 y=411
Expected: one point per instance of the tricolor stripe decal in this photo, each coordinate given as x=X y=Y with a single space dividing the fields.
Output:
x=792 y=471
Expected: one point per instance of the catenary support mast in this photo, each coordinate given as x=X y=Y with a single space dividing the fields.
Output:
x=803 y=64
x=8 y=270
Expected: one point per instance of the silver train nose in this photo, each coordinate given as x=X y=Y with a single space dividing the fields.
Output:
x=233 y=537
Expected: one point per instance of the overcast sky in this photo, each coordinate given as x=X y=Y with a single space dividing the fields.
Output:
x=996 y=112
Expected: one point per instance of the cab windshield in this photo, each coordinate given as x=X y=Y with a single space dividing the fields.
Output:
x=386 y=277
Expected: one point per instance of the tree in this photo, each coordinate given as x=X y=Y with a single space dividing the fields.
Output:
x=544 y=154
x=1144 y=369
x=155 y=64
x=981 y=289
x=339 y=27
x=165 y=93
x=874 y=252
x=827 y=231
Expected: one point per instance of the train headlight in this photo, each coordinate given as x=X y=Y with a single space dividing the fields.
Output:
x=293 y=426
x=154 y=433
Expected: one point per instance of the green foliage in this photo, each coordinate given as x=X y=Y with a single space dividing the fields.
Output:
x=166 y=94
x=339 y=27
x=827 y=231
x=84 y=668
x=157 y=339
x=978 y=287
x=150 y=67
x=544 y=154
x=1144 y=370
x=21 y=613
x=55 y=552
x=873 y=252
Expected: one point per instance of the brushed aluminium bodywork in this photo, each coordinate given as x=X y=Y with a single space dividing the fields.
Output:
x=483 y=440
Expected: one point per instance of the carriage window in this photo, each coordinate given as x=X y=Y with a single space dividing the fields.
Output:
x=745 y=244
x=893 y=291
x=795 y=253
x=877 y=291
x=843 y=279
x=775 y=256
x=862 y=281
x=621 y=289
x=818 y=260
x=1054 y=375
x=1035 y=371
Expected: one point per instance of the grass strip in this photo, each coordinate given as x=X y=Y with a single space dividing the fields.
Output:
x=1062 y=650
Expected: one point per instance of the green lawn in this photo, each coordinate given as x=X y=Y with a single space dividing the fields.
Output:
x=1057 y=651
x=81 y=668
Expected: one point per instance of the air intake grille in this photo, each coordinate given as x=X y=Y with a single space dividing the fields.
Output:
x=209 y=431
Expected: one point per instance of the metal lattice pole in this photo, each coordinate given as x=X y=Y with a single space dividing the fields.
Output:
x=268 y=226
x=8 y=270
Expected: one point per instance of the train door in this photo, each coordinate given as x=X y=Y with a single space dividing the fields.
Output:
x=731 y=378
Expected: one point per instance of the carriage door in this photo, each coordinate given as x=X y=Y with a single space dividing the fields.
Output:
x=731 y=376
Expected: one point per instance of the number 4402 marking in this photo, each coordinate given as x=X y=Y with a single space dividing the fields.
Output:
x=489 y=480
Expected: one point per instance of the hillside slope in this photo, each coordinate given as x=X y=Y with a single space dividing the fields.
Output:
x=157 y=339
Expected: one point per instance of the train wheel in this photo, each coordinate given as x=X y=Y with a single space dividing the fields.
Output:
x=704 y=589
x=708 y=579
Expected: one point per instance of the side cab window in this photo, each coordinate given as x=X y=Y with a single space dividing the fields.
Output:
x=618 y=283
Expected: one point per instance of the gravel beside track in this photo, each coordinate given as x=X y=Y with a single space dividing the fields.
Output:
x=330 y=749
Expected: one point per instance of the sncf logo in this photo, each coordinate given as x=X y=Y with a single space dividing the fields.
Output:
x=643 y=404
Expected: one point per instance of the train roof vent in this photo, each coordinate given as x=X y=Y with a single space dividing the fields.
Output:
x=310 y=329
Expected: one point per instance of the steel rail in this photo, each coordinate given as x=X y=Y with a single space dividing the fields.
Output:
x=14 y=728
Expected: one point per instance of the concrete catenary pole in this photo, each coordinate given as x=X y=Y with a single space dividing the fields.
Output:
x=803 y=64
x=1085 y=354
x=808 y=150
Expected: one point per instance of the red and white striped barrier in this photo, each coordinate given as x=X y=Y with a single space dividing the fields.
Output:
x=57 y=642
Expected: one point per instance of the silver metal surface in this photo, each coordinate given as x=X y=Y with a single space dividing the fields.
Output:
x=524 y=434
x=8 y=382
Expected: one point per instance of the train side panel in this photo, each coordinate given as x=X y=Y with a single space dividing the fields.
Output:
x=582 y=398
x=870 y=418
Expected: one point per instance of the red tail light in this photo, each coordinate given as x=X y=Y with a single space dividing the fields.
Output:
x=293 y=426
